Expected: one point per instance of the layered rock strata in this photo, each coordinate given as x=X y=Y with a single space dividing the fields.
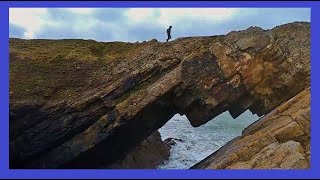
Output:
x=279 y=140
x=85 y=104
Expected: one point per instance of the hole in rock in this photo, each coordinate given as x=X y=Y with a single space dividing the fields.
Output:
x=194 y=144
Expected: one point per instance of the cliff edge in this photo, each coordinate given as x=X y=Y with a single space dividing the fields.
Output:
x=87 y=104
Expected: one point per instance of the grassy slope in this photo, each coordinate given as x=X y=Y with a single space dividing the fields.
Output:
x=62 y=69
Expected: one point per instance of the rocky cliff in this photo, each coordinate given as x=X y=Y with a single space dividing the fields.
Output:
x=87 y=104
x=281 y=139
x=149 y=154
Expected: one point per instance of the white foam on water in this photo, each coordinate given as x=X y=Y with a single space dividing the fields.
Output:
x=200 y=142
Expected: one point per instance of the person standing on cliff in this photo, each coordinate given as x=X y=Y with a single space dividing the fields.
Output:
x=169 y=33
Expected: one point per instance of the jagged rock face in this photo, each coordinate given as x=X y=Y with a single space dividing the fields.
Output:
x=281 y=139
x=72 y=101
x=149 y=154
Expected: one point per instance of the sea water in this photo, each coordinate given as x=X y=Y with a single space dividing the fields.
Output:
x=200 y=142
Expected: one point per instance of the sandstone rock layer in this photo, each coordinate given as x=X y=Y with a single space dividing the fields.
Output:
x=279 y=140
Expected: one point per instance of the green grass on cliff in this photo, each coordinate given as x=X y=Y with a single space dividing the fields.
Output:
x=45 y=50
x=62 y=69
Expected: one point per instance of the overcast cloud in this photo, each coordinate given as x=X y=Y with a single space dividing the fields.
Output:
x=140 y=24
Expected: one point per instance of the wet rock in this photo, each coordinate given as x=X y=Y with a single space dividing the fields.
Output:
x=172 y=141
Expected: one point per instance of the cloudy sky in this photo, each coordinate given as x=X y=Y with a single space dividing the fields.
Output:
x=139 y=24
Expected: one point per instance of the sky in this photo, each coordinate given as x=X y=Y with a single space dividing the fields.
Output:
x=143 y=24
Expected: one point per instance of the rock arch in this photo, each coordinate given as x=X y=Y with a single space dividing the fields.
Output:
x=201 y=77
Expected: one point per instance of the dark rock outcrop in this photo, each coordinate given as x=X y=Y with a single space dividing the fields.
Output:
x=147 y=155
x=84 y=104
x=172 y=141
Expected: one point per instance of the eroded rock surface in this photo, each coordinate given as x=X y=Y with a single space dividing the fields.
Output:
x=149 y=154
x=85 y=104
x=281 y=139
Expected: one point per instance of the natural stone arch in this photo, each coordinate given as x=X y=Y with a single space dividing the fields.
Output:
x=200 y=77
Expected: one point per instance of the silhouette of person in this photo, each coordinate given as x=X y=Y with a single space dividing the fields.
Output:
x=169 y=33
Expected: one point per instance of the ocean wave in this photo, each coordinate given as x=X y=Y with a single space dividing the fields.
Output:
x=200 y=142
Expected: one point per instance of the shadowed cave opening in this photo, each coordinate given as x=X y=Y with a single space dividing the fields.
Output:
x=193 y=144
